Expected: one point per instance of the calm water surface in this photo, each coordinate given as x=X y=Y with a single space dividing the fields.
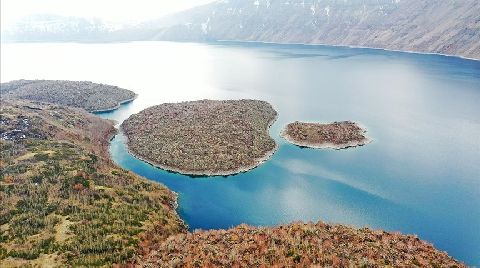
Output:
x=421 y=174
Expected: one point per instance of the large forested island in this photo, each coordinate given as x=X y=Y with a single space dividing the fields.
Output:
x=90 y=96
x=336 y=135
x=204 y=137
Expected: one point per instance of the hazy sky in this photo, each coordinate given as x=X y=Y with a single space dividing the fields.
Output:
x=112 y=10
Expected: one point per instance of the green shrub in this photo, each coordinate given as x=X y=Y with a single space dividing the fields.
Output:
x=37 y=179
x=24 y=254
x=41 y=157
x=3 y=253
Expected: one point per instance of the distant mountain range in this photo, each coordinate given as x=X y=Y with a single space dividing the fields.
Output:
x=447 y=26
x=46 y=27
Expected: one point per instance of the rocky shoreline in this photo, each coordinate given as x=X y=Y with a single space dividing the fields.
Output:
x=337 y=135
x=214 y=169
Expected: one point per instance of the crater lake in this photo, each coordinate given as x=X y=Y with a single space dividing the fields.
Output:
x=420 y=175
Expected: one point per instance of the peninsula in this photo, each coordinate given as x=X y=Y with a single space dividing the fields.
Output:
x=89 y=96
x=337 y=135
x=204 y=138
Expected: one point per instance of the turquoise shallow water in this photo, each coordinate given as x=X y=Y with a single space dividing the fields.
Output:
x=420 y=175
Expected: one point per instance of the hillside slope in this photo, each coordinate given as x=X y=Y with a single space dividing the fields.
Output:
x=447 y=27
x=63 y=202
x=295 y=245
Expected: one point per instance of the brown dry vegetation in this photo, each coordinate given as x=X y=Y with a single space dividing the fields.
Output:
x=296 y=245
x=203 y=137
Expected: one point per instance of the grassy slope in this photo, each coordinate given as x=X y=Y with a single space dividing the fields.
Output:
x=63 y=202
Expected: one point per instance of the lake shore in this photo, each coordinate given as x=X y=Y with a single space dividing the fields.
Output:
x=352 y=46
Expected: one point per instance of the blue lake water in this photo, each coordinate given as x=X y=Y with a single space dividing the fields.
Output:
x=421 y=174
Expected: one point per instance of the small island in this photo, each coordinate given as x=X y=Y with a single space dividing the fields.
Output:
x=203 y=138
x=336 y=135
x=86 y=95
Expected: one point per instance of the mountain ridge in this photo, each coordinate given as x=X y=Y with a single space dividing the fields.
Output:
x=424 y=26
